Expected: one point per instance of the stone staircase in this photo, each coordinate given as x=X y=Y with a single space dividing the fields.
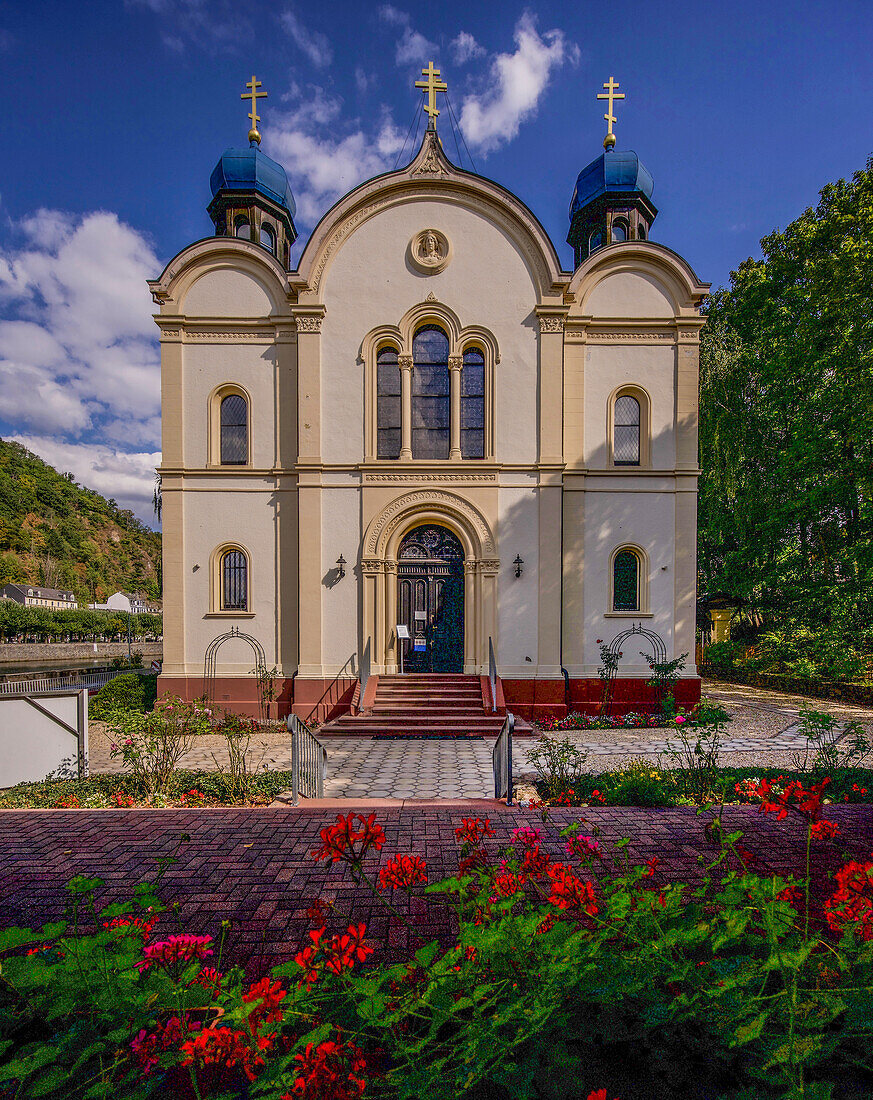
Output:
x=423 y=705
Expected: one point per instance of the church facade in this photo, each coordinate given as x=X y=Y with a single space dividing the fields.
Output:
x=428 y=445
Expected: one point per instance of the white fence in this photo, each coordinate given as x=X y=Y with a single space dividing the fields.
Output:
x=44 y=735
x=73 y=681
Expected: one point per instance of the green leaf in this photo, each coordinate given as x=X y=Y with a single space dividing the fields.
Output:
x=750 y=1031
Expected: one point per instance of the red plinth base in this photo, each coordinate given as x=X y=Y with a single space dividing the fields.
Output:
x=534 y=699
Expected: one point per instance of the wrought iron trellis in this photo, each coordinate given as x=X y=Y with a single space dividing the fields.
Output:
x=616 y=648
x=260 y=670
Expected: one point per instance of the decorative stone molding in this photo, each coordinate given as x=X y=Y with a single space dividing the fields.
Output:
x=170 y=333
x=404 y=362
x=431 y=297
x=391 y=477
x=430 y=165
x=308 y=322
x=226 y=334
x=428 y=500
x=429 y=251
x=456 y=362
x=489 y=565
x=550 y=322
x=629 y=336
x=372 y=565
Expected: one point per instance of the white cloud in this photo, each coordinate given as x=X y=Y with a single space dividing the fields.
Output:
x=208 y=24
x=411 y=45
x=516 y=83
x=363 y=79
x=316 y=46
x=321 y=164
x=127 y=477
x=78 y=354
x=465 y=47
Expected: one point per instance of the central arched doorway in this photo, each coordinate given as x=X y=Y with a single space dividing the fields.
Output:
x=430 y=599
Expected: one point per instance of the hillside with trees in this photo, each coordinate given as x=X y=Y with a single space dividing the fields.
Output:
x=56 y=533
x=786 y=497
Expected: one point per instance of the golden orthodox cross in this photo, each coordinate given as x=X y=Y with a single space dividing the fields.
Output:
x=432 y=85
x=254 y=95
x=610 y=118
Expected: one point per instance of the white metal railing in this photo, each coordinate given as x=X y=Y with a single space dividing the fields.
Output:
x=74 y=681
x=502 y=760
x=492 y=674
x=308 y=761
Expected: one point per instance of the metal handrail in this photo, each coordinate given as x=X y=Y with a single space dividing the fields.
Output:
x=42 y=685
x=501 y=759
x=308 y=761
x=492 y=674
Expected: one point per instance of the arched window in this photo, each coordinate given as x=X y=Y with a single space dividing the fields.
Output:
x=234 y=581
x=473 y=404
x=430 y=393
x=234 y=445
x=267 y=238
x=641 y=232
x=595 y=241
x=242 y=229
x=626 y=581
x=626 y=432
x=388 y=410
x=619 y=231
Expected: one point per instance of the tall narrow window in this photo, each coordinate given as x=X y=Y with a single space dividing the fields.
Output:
x=234 y=431
x=626 y=432
x=626 y=581
x=243 y=229
x=388 y=411
x=473 y=404
x=268 y=240
x=430 y=393
x=234 y=581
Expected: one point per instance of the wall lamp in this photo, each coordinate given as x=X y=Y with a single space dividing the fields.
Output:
x=341 y=567
x=519 y=565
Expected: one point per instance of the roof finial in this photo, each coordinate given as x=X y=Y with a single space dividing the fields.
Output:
x=611 y=95
x=432 y=85
x=254 y=95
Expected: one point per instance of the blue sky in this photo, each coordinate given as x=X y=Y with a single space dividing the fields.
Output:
x=115 y=112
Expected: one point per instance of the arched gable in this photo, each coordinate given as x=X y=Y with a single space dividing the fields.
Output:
x=430 y=175
x=261 y=282
x=387 y=529
x=657 y=271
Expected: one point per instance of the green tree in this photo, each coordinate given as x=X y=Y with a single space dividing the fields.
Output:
x=786 y=431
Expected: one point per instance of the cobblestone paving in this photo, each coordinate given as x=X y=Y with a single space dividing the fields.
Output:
x=763 y=732
x=254 y=867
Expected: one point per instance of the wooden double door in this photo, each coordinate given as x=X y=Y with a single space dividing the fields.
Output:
x=430 y=599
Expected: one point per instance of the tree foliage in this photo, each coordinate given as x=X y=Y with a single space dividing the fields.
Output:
x=56 y=533
x=786 y=518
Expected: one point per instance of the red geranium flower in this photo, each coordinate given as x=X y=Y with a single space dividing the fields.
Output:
x=403 y=872
x=570 y=892
x=344 y=843
x=270 y=995
x=329 y=1071
x=473 y=829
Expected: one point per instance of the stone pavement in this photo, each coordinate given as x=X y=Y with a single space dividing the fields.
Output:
x=763 y=732
x=254 y=866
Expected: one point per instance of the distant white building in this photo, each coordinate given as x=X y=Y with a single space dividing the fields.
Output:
x=134 y=603
x=31 y=596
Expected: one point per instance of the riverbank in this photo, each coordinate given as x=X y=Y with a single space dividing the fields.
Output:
x=21 y=657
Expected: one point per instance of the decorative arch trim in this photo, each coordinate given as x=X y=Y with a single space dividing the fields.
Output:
x=431 y=175
x=213 y=436
x=645 y=402
x=643 y=608
x=216 y=581
x=385 y=531
x=671 y=271
x=216 y=254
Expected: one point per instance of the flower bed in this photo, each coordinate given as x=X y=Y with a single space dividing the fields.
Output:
x=185 y=788
x=570 y=976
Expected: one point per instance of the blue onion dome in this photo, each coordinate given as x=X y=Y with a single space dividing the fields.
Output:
x=251 y=170
x=613 y=172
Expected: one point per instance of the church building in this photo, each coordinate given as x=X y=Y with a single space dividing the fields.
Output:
x=425 y=447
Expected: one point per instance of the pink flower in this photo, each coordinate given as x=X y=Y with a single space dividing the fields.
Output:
x=527 y=835
x=175 y=952
x=680 y=718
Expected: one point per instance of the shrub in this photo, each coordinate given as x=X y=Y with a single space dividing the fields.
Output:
x=723 y=656
x=151 y=745
x=638 y=784
x=122 y=693
x=559 y=763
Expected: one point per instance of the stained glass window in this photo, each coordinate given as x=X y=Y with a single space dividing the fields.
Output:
x=388 y=411
x=234 y=581
x=234 y=431
x=430 y=393
x=625 y=581
x=626 y=436
x=473 y=404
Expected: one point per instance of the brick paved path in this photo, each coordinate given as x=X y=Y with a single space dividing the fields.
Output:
x=254 y=867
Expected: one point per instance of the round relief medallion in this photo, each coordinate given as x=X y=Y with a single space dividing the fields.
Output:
x=430 y=251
